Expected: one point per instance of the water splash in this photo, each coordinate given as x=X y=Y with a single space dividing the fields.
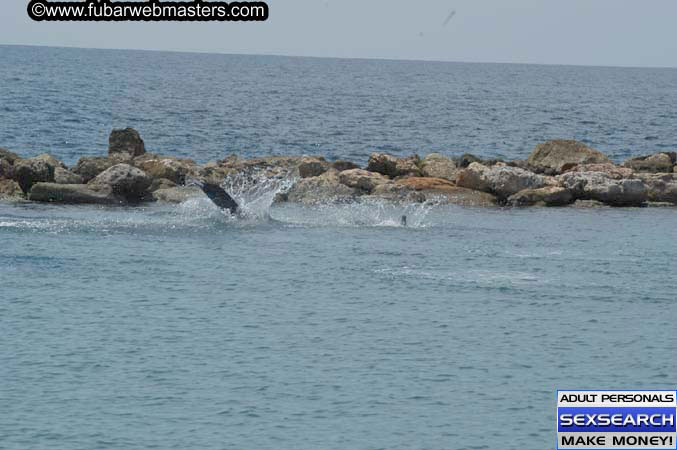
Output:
x=255 y=191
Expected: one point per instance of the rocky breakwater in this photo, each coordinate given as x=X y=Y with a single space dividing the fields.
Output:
x=556 y=173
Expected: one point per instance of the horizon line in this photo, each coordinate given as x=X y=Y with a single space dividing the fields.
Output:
x=358 y=58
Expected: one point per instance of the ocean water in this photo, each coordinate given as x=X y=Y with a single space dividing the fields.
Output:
x=175 y=326
x=205 y=106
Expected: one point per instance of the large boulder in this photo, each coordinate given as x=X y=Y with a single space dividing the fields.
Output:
x=554 y=157
x=65 y=176
x=500 y=180
x=439 y=166
x=662 y=187
x=73 y=194
x=125 y=180
x=656 y=163
x=441 y=191
x=88 y=167
x=611 y=170
x=169 y=168
x=10 y=190
x=545 y=196
x=29 y=171
x=392 y=166
x=362 y=179
x=177 y=194
x=323 y=189
x=126 y=141
x=598 y=186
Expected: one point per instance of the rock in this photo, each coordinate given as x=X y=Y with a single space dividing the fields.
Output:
x=10 y=190
x=438 y=166
x=443 y=191
x=161 y=183
x=361 y=179
x=598 y=186
x=656 y=163
x=29 y=171
x=130 y=182
x=65 y=176
x=546 y=196
x=323 y=189
x=341 y=165
x=313 y=167
x=459 y=196
x=611 y=170
x=6 y=169
x=126 y=141
x=51 y=161
x=662 y=187
x=554 y=155
x=73 y=194
x=589 y=204
x=171 y=169
x=425 y=183
x=394 y=192
x=10 y=157
x=394 y=167
x=88 y=167
x=503 y=181
x=178 y=194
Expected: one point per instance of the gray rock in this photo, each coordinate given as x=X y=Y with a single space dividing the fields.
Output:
x=598 y=186
x=500 y=180
x=29 y=171
x=73 y=194
x=126 y=141
x=656 y=163
x=392 y=166
x=178 y=194
x=546 y=196
x=323 y=189
x=65 y=176
x=88 y=167
x=559 y=154
x=439 y=166
x=362 y=179
x=662 y=187
x=130 y=182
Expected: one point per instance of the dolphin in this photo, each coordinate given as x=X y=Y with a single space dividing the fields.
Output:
x=216 y=194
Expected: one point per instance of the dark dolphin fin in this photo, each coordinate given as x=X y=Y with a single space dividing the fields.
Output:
x=220 y=197
x=217 y=195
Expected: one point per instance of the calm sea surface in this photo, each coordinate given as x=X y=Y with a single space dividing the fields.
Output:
x=172 y=326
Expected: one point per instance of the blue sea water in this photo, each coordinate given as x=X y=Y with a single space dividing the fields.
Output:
x=174 y=326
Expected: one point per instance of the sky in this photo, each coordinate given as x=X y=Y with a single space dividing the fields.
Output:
x=580 y=32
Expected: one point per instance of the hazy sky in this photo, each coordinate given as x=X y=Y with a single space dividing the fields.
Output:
x=589 y=32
